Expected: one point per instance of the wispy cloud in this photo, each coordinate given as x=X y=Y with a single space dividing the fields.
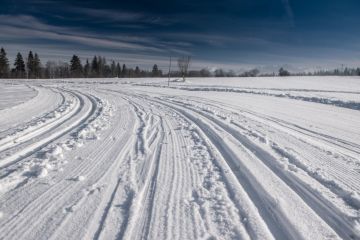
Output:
x=121 y=17
x=109 y=15
x=289 y=12
x=17 y=27
x=21 y=33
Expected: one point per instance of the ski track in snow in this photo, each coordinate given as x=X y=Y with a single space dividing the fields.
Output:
x=122 y=161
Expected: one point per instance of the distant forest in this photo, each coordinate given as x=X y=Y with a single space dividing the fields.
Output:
x=98 y=67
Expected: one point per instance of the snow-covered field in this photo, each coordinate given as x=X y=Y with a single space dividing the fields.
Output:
x=232 y=158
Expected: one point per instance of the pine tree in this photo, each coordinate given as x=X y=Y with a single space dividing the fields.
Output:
x=124 y=71
x=137 y=71
x=101 y=65
x=19 y=67
x=118 y=70
x=113 y=69
x=37 y=66
x=283 y=72
x=155 y=71
x=95 y=67
x=87 y=69
x=76 y=69
x=30 y=65
x=4 y=64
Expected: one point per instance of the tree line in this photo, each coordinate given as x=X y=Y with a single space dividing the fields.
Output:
x=31 y=67
x=98 y=67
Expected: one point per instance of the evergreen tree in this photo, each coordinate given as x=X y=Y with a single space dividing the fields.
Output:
x=95 y=67
x=137 y=72
x=37 y=66
x=102 y=66
x=87 y=69
x=113 y=69
x=118 y=70
x=19 y=67
x=76 y=69
x=124 y=71
x=155 y=71
x=283 y=72
x=30 y=65
x=4 y=64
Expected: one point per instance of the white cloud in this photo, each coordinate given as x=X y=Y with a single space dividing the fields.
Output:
x=23 y=27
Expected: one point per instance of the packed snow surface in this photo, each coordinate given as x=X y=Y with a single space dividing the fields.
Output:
x=212 y=158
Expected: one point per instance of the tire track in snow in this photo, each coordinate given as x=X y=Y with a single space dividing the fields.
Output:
x=178 y=172
x=344 y=227
x=314 y=150
x=43 y=201
x=141 y=208
x=23 y=127
x=256 y=231
x=56 y=131
x=47 y=99
x=267 y=213
x=122 y=183
x=277 y=231
x=34 y=129
x=102 y=171
x=349 y=148
x=326 y=101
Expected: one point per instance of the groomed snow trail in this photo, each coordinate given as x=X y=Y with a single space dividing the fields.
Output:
x=86 y=160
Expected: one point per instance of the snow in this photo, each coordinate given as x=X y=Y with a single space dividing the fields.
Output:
x=8 y=90
x=39 y=171
x=80 y=178
x=208 y=158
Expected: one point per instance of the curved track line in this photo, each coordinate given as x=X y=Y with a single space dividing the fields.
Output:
x=29 y=150
x=343 y=226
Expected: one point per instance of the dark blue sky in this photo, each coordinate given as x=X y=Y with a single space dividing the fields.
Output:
x=237 y=34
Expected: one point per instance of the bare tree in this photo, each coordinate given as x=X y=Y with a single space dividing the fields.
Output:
x=50 y=69
x=184 y=64
x=169 y=72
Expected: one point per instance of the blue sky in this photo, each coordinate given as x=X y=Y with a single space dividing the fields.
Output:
x=234 y=34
